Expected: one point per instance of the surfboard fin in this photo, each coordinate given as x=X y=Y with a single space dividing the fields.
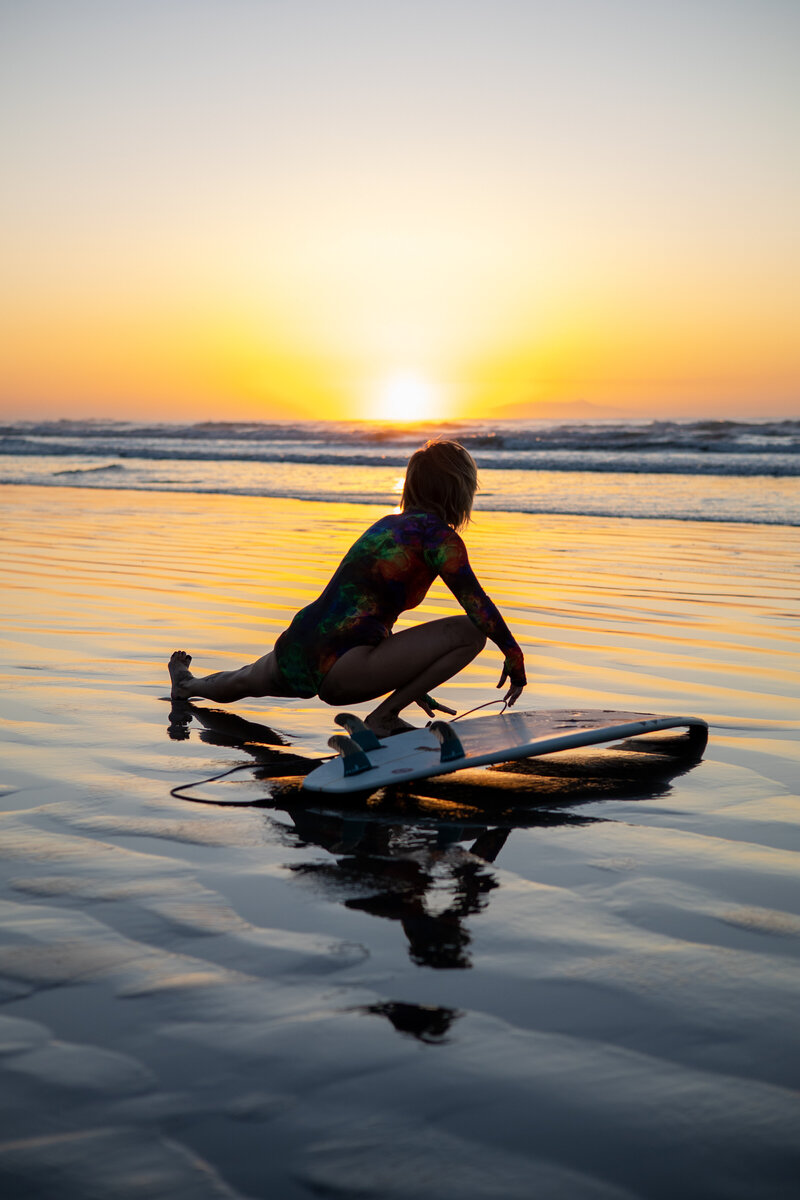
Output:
x=448 y=740
x=358 y=731
x=353 y=757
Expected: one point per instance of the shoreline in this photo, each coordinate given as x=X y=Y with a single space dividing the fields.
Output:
x=371 y=504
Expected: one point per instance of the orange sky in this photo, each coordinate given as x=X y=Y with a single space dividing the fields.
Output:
x=242 y=210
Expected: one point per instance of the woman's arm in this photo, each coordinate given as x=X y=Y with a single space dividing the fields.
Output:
x=450 y=560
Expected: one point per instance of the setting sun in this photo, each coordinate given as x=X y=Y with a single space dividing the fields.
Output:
x=406 y=396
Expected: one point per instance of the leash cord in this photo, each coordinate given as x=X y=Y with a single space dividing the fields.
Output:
x=470 y=711
x=176 y=791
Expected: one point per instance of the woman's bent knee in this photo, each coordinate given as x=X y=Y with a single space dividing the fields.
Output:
x=469 y=634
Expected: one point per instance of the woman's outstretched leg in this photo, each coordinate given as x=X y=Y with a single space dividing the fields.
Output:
x=259 y=678
x=407 y=664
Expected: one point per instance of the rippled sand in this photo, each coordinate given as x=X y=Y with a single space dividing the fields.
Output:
x=575 y=979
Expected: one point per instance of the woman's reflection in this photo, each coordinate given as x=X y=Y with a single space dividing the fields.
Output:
x=422 y=877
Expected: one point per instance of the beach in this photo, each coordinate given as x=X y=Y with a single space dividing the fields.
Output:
x=575 y=981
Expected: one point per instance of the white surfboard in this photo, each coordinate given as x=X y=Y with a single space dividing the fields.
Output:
x=364 y=763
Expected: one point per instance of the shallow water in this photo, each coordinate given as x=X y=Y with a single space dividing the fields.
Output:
x=572 y=979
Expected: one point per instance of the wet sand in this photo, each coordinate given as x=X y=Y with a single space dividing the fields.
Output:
x=574 y=980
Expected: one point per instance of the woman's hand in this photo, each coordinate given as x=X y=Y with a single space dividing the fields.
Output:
x=514 y=691
x=430 y=706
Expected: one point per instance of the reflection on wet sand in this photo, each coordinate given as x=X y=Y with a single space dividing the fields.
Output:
x=429 y=1023
x=420 y=854
x=186 y=1015
x=228 y=729
x=422 y=878
x=220 y=727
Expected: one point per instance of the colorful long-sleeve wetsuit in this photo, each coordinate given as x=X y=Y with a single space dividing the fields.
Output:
x=388 y=570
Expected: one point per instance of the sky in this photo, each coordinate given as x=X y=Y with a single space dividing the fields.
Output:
x=247 y=209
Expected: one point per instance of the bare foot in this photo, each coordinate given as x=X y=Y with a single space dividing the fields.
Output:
x=384 y=727
x=182 y=678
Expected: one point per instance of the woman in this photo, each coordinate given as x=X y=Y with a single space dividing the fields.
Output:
x=341 y=647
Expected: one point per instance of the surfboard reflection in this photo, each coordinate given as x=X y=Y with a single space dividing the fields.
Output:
x=422 y=855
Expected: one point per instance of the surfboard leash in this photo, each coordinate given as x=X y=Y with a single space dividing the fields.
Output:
x=470 y=711
x=176 y=791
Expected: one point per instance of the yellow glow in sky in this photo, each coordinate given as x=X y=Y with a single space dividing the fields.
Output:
x=413 y=212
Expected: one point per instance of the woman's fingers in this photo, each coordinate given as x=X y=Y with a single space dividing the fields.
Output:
x=430 y=706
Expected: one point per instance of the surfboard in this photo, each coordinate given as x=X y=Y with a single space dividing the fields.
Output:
x=364 y=763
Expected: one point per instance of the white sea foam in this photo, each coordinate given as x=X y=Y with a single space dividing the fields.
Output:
x=701 y=470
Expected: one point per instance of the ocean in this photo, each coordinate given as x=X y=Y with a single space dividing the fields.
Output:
x=733 y=471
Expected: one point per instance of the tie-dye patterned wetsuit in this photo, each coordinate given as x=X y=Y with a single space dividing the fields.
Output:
x=388 y=570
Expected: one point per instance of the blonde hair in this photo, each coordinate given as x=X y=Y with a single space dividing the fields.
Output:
x=441 y=478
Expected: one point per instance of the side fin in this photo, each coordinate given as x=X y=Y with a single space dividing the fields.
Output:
x=354 y=759
x=358 y=731
x=448 y=740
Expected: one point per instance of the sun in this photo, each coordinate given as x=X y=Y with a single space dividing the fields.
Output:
x=406 y=396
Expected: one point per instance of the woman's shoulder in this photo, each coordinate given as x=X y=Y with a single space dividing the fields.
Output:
x=432 y=534
x=404 y=528
x=426 y=524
